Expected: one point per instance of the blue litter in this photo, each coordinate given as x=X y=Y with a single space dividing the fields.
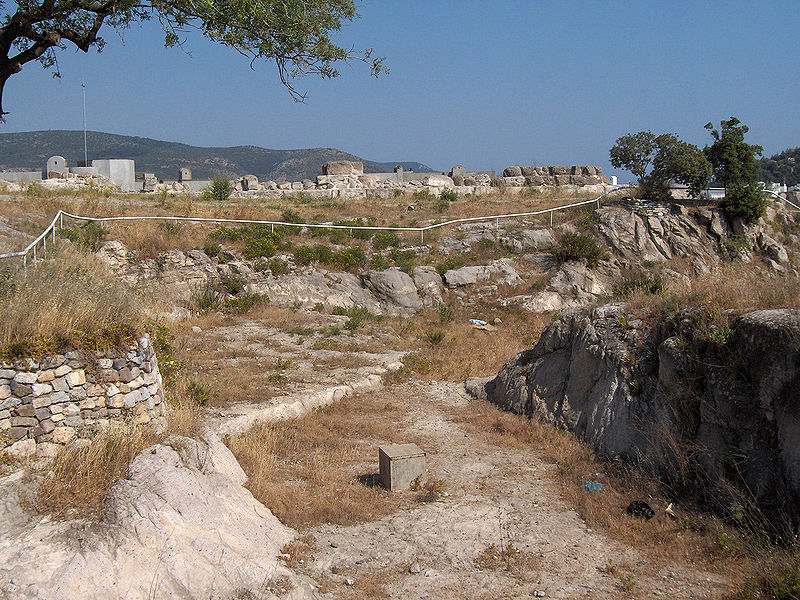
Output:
x=477 y=322
x=593 y=486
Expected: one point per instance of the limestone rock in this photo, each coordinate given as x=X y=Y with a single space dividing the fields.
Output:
x=441 y=181
x=631 y=393
x=429 y=286
x=395 y=291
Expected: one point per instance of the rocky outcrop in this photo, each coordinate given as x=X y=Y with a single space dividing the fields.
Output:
x=179 y=275
x=713 y=407
x=179 y=526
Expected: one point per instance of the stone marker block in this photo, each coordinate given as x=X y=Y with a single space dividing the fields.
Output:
x=400 y=465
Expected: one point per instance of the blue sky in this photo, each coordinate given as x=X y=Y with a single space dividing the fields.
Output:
x=486 y=84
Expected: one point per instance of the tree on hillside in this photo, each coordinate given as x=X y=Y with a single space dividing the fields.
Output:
x=658 y=161
x=736 y=167
x=292 y=33
x=781 y=168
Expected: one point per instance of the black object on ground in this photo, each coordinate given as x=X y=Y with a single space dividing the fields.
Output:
x=641 y=509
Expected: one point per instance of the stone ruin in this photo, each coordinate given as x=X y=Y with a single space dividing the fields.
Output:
x=553 y=176
x=346 y=179
x=49 y=403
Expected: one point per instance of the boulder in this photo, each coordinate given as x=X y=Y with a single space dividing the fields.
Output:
x=441 y=181
x=429 y=285
x=343 y=167
x=512 y=172
x=650 y=397
x=250 y=183
x=395 y=291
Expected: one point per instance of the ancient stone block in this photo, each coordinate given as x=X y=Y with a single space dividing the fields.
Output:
x=45 y=376
x=25 y=378
x=60 y=384
x=20 y=390
x=105 y=363
x=401 y=465
x=62 y=370
x=40 y=389
x=24 y=422
x=7 y=373
x=5 y=391
x=24 y=410
x=512 y=172
x=76 y=378
x=63 y=435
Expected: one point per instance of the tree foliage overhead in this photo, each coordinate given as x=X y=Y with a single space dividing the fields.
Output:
x=736 y=167
x=660 y=160
x=292 y=33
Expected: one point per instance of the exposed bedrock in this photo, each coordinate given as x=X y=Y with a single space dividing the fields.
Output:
x=703 y=407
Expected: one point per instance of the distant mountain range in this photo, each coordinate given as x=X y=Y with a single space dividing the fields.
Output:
x=30 y=150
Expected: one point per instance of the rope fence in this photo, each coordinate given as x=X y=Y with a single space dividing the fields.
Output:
x=58 y=223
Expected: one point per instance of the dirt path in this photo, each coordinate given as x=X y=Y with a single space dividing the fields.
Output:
x=496 y=498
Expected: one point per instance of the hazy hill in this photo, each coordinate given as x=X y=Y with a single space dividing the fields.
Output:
x=30 y=150
x=782 y=168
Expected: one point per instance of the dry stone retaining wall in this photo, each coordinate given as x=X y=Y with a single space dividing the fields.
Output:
x=50 y=403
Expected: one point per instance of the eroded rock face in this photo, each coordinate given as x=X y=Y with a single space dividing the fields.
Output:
x=395 y=291
x=180 y=526
x=709 y=410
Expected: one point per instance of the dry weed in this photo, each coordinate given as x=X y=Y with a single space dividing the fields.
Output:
x=299 y=552
x=325 y=457
x=70 y=299
x=81 y=477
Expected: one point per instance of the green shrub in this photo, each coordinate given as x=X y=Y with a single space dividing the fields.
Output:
x=405 y=260
x=212 y=249
x=243 y=303
x=227 y=234
x=232 y=285
x=434 y=337
x=451 y=262
x=652 y=286
x=258 y=247
x=69 y=234
x=260 y=265
x=350 y=259
x=379 y=263
x=359 y=234
x=445 y=313
x=198 y=393
x=170 y=228
x=323 y=254
x=385 y=239
x=448 y=195
x=207 y=298
x=574 y=246
x=219 y=190
x=278 y=267
x=421 y=195
x=92 y=237
x=303 y=255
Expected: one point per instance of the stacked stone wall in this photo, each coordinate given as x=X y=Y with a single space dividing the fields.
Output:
x=46 y=404
x=553 y=176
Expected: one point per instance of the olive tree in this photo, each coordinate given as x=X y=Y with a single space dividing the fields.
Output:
x=736 y=167
x=292 y=33
x=659 y=160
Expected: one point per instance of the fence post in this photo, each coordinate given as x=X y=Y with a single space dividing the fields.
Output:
x=60 y=220
x=272 y=227
x=497 y=225
x=551 y=218
x=422 y=236
x=25 y=265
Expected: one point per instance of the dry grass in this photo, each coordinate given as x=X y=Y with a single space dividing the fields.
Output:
x=328 y=458
x=69 y=299
x=81 y=477
x=736 y=286
x=516 y=562
x=466 y=351
x=299 y=552
x=689 y=536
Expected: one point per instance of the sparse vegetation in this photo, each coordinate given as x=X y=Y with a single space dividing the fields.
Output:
x=576 y=246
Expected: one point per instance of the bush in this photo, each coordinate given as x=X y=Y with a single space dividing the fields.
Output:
x=379 y=263
x=278 y=267
x=226 y=234
x=451 y=262
x=324 y=254
x=359 y=234
x=448 y=195
x=574 y=246
x=385 y=239
x=198 y=393
x=233 y=285
x=350 y=259
x=207 y=298
x=258 y=247
x=303 y=255
x=212 y=249
x=219 y=190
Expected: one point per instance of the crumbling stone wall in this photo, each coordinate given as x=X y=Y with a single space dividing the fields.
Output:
x=574 y=175
x=48 y=403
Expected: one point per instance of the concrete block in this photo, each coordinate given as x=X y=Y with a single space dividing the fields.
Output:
x=401 y=465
